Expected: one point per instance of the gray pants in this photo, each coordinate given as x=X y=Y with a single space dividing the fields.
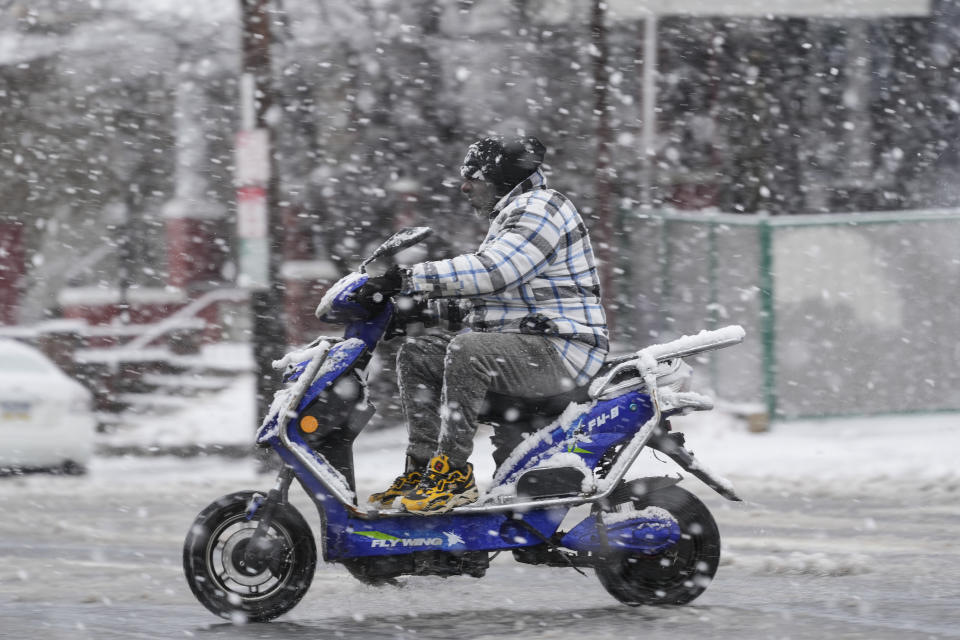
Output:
x=443 y=380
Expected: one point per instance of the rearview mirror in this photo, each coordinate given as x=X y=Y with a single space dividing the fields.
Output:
x=396 y=243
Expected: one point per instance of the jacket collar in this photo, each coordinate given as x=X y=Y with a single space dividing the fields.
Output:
x=535 y=180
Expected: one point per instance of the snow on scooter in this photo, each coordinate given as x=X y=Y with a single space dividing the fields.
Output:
x=252 y=555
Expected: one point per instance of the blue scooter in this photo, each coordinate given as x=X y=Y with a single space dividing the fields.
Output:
x=251 y=554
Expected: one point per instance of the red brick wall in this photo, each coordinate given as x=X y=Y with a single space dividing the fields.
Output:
x=301 y=298
x=192 y=255
x=12 y=269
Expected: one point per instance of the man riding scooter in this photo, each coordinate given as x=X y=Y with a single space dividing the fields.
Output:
x=530 y=295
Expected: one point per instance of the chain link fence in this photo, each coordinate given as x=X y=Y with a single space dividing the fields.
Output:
x=846 y=314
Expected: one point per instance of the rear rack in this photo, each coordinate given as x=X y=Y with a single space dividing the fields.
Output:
x=646 y=359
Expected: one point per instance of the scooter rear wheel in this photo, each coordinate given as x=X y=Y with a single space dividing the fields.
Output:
x=213 y=560
x=679 y=574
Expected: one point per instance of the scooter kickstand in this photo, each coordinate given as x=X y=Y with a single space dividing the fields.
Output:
x=526 y=526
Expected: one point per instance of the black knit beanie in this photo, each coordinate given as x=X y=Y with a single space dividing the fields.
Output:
x=505 y=162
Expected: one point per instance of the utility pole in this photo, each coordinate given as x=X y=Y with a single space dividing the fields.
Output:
x=260 y=235
x=602 y=187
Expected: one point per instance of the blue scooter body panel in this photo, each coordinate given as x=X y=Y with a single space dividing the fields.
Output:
x=339 y=359
x=589 y=435
x=604 y=425
x=398 y=534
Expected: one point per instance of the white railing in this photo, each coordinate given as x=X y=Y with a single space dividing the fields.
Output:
x=175 y=321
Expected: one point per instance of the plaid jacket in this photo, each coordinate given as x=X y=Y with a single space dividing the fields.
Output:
x=534 y=273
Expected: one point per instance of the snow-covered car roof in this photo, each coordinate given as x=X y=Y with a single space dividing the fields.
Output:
x=21 y=358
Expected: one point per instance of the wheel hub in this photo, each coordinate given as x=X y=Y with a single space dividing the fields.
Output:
x=247 y=566
x=251 y=563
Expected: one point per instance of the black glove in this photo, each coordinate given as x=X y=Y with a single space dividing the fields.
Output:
x=408 y=309
x=376 y=290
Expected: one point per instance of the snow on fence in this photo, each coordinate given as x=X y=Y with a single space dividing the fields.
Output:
x=846 y=314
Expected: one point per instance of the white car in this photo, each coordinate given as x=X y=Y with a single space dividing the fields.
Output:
x=46 y=417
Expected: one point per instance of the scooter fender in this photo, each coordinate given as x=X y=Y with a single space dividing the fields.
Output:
x=649 y=531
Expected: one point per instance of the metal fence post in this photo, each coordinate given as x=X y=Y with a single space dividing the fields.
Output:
x=767 y=318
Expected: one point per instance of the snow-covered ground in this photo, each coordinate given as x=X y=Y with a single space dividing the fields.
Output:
x=223 y=418
x=847 y=531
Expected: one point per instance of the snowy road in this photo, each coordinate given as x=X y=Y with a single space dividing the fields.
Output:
x=872 y=556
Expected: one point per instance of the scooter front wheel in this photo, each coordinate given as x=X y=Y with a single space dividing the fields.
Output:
x=214 y=560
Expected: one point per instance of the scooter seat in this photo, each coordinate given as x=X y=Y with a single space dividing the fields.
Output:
x=500 y=406
x=504 y=406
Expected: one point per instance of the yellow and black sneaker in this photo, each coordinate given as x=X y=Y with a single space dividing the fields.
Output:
x=442 y=488
x=403 y=484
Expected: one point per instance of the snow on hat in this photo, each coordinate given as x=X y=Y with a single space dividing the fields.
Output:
x=501 y=161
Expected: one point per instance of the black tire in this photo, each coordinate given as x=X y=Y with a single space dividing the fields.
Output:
x=677 y=575
x=214 y=546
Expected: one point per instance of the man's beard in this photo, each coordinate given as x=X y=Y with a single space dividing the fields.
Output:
x=484 y=209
